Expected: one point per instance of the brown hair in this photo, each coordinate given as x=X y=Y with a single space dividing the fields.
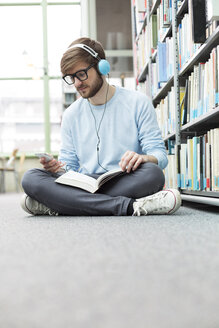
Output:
x=74 y=55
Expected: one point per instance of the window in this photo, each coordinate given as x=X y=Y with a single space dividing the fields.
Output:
x=31 y=113
x=22 y=42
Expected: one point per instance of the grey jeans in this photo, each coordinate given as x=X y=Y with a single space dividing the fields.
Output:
x=111 y=199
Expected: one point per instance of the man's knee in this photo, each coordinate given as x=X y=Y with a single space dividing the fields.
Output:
x=154 y=171
x=154 y=177
x=31 y=181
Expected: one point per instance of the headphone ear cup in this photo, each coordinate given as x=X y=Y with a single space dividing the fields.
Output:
x=103 y=67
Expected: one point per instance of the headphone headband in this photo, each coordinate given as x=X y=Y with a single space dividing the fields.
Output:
x=86 y=48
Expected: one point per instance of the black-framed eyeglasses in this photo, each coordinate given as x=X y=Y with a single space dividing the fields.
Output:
x=80 y=75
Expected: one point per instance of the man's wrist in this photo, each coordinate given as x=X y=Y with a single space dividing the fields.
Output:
x=150 y=158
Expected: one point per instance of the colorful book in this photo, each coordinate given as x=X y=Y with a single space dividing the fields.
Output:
x=162 y=65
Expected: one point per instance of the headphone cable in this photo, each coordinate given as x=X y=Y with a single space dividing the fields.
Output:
x=97 y=129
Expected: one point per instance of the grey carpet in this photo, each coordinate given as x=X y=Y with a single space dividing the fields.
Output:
x=108 y=272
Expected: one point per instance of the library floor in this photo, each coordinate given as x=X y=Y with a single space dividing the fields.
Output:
x=108 y=272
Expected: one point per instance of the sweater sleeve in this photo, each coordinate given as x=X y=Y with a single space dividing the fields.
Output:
x=67 y=152
x=150 y=135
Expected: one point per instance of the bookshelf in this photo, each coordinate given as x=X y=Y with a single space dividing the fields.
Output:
x=186 y=95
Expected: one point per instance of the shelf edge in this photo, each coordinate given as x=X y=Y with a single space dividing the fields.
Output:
x=200 y=199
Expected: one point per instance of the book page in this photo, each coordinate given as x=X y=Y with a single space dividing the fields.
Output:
x=108 y=175
x=78 y=180
x=86 y=182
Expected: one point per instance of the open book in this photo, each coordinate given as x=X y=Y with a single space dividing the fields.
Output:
x=86 y=182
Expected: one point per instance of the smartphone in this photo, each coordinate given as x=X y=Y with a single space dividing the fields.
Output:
x=45 y=155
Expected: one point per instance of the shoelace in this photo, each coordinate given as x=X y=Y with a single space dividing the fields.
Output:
x=52 y=213
x=142 y=210
x=45 y=210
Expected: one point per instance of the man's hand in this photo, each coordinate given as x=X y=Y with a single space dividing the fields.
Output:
x=53 y=165
x=131 y=160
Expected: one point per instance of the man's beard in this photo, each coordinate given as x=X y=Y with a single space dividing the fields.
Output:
x=96 y=86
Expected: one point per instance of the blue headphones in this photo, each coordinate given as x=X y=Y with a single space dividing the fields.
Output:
x=103 y=65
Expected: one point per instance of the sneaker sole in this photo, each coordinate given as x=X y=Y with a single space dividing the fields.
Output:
x=23 y=204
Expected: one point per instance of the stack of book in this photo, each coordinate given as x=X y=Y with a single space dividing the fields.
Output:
x=202 y=88
x=166 y=112
x=187 y=47
x=199 y=162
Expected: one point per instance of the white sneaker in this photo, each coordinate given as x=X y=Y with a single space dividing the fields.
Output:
x=33 y=207
x=163 y=202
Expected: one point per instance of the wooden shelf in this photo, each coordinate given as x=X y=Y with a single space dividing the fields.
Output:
x=199 y=124
x=183 y=9
x=201 y=193
x=142 y=75
x=154 y=7
x=167 y=34
x=154 y=55
x=163 y=91
x=144 y=23
x=169 y=136
x=204 y=197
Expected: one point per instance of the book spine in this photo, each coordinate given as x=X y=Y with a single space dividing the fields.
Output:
x=202 y=89
x=216 y=175
x=201 y=168
x=199 y=162
x=190 y=164
x=162 y=66
x=195 y=178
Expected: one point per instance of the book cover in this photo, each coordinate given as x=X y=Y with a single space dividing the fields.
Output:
x=216 y=73
x=198 y=164
x=182 y=103
x=207 y=152
x=162 y=65
x=210 y=162
x=210 y=156
x=183 y=155
x=197 y=12
x=185 y=107
x=189 y=101
x=212 y=10
x=216 y=159
x=204 y=161
x=166 y=18
x=202 y=90
x=201 y=184
x=217 y=69
x=213 y=148
x=154 y=37
x=87 y=182
x=195 y=175
x=195 y=92
x=190 y=164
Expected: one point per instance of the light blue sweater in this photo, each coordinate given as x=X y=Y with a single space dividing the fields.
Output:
x=129 y=123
